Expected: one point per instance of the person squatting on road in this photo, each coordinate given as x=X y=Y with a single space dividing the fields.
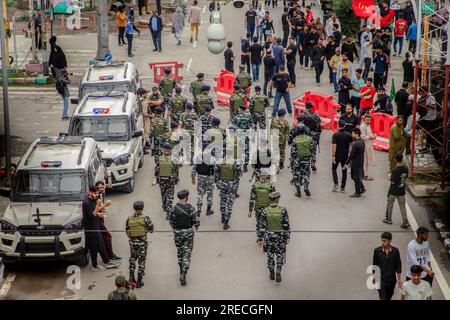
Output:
x=137 y=227
x=276 y=230
x=183 y=218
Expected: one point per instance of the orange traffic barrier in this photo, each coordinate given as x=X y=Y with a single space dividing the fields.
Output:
x=381 y=126
x=323 y=105
x=158 y=70
x=224 y=87
x=336 y=122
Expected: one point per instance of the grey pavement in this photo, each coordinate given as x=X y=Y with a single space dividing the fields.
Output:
x=333 y=235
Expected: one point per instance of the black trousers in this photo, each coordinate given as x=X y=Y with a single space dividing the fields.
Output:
x=285 y=37
x=335 y=176
x=330 y=73
x=356 y=101
x=377 y=80
x=267 y=79
x=304 y=59
x=130 y=43
x=158 y=6
x=121 y=34
x=245 y=60
x=357 y=175
x=318 y=67
x=386 y=291
x=427 y=278
x=309 y=51
x=367 y=63
x=291 y=70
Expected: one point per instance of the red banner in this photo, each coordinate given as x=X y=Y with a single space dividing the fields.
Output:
x=361 y=8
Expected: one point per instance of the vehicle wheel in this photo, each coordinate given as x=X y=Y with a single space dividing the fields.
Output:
x=83 y=260
x=129 y=187
x=141 y=160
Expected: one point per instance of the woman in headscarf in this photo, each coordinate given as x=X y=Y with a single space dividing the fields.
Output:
x=57 y=60
x=178 y=24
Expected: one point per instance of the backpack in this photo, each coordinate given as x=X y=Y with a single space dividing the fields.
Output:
x=302 y=144
x=167 y=85
x=121 y=296
x=159 y=125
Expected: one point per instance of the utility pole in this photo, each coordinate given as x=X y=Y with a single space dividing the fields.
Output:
x=7 y=25
x=34 y=58
x=102 y=30
x=5 y=61
x=44 y=40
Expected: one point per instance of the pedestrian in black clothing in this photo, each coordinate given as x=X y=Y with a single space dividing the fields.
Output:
x=401 y=99
x=356 y=162
x=408 y=72
x=318 y=58
x=408 y=13
x=330 y=51
x=345 y=85
x=350 y=120
x=245 y=52
x=256 y=51
x=291 y=53
x=312 y=38
x=92 y=209
x=285 y=23
x=339 y=149
x=229 y=57
x=57 y=60
x=269 y=71
x=337 y=35
x=303 y=47
x=387 y=259
x=349 y=48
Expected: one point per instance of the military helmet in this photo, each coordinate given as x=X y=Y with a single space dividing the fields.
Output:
x=178 y=89
x=301 y=128
x=200 y=75
x=189 y=105
x=208 y=108
x=167 y=146
x=158 y=110
x=167 y=70
x=174 y=124
x=308 y=105
x=281 y=112
x=206 y=87
x=138 y=205
x=182 y=194
x=215 y=121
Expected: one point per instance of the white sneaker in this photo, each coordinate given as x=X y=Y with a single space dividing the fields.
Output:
x=98 y=268
x=111 y=265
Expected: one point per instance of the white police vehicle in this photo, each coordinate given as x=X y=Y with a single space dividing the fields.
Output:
x=116 y=123
x=109 y=76
x=44 y=217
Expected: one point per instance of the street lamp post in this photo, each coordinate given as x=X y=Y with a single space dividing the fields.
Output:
x=102 y=30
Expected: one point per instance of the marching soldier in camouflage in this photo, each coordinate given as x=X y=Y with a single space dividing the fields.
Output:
x=158 y=127
x=215 y=131
x=197 y=86
x=282 y=125
x=259 y=199
x=147 y=114
x=188 y=120
x=137 y=227
x=227 y=181
x=203 y=100
x=173 y=137
x=313 y=122
x=301 y=155
x=277 y=233
x=177 y=104
x=203 y=170
x=155 y=100
x=243 y=79
x=166 y=86
x=167 y=175
x=206 y=119
x=237 y=99
x=243 y=120
x=258 y=105
x=182 y=220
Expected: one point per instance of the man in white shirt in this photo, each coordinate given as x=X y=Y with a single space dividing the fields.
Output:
x=260 y=14
x=362 y=39
x=416 y=288
x=418 y=253
x=329 y=26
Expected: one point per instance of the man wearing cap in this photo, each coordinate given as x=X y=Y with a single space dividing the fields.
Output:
x=259 y=198
x=167 y=175
x=203 y=170
x=197 y=85
x=276 y=235
x=258 y=105
x=177 y=104
x=237 y=99
x=243 y=79
x=137 y=227
x=301 y=154
x=166 y=86
x=206 y=119
x=244 y=121
x=227 y=175
x=282 y=125
x=203 y=100
x=314 y=124
x=182 y=220
x=158 y=126
x=122 y=292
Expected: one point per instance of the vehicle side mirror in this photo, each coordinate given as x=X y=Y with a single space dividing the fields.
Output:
x=138 y=134
x=74 y=100
x=5 y=192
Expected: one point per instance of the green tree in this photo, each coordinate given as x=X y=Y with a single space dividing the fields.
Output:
x=350 y=23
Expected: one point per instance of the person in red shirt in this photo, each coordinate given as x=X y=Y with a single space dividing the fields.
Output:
x=309 y=15
x=400 y=28
x=366 y=94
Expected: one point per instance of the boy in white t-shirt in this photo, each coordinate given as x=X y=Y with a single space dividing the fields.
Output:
x=416 y=288
x=418 y=253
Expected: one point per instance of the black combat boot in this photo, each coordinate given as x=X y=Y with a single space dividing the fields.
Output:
x=132 y=278
x=307 y=192
x=298 y=193
x=209 y=211
x=139 y=283
x=183 y=278
x=223 y=219
x=226 y=226
x=278 y=277
x=272 y=274
x=245 y=168
x=313 y=167
x=167 y=215
x=199 y=211
x=281 y=165
x=237 y=195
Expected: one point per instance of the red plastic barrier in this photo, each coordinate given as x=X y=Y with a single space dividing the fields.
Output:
x=224 y=87
x=336 y=122
x=381 y=125
x=158 y=70
x=323 y=105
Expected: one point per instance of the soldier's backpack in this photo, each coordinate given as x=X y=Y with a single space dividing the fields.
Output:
x=159 y=125
x=197 y=88
x=167 y=85
x=227 y=172
x=302 y=144
x=178 y=104
x=166 y=167
x=259 y=103
x=243 y=79
x=237 y=101
x=136 y=227
x=262 y=193
x=202 y=102
x=121 y=296
x=273 y=218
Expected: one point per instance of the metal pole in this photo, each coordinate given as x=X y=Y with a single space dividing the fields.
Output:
x=44 y=40
x=5 y=16
x=16 y=62
x=33 y=34
x=5 y=97
x=413 y=128
x=102 y=29
x=419 y=27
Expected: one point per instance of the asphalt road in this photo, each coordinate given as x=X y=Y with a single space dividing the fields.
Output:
x=333 y=236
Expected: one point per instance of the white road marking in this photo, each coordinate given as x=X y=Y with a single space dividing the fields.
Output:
x=437 y=270
x=204 y=8
x=195 y=44
x=188 y=67
x=7 y=285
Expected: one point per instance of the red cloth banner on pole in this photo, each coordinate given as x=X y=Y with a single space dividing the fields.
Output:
x=361 y=8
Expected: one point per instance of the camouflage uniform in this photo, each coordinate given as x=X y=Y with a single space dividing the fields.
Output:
x=201 y=102
x=167 y=180
x=275 y=238
x=244 y=81
x=205 y=182
x=244 y=121
x=282 y=125
x=182 y=218
x=153 y=98
x=228 y=186
x=196 y=88
x=258 y=104
x=138 y=245
x=259 y=200
x=300 y=165
x=166 y=86
x=313 y=122
x=206 y=120
x=158 y=127
x=189 y=118
x=237 y=99
x=178 y=105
